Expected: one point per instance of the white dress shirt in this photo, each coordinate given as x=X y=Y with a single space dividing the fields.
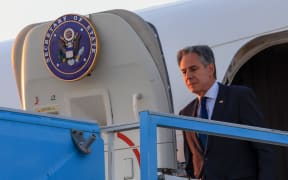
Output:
x=211 y=95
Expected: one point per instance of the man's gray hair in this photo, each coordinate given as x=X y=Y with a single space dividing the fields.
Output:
x=203 y=51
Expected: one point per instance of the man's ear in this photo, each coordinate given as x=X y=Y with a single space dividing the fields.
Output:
x=211 y=69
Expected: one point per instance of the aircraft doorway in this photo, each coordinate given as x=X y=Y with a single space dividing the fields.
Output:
x=267 y=74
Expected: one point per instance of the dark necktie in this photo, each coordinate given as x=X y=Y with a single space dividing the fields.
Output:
x=204 y=115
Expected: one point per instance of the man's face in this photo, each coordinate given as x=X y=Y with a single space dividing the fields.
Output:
x=197 y=77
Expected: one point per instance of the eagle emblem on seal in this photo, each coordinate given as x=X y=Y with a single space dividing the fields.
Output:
x=70 y=52
x=71 y=47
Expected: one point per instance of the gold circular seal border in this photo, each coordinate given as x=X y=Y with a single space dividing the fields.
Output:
x=92 y=66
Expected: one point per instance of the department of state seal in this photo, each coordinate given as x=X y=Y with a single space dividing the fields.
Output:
x=70 y=47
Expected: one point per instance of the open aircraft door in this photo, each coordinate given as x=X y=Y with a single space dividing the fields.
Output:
x=107 y=67
x=261 y=64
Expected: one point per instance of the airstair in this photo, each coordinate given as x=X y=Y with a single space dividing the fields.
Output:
x=42 y=146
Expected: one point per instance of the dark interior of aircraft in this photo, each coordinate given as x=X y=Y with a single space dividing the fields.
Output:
x=266 y=74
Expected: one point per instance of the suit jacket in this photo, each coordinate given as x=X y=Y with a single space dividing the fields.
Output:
x=225 y=158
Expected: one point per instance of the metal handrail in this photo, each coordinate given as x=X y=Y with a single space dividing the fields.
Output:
x=110 y=130
x=149 y=121
x=120 y=127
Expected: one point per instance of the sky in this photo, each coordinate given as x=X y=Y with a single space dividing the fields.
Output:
x=16 y=14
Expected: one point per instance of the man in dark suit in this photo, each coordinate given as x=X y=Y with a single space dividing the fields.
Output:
x=218 y=158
